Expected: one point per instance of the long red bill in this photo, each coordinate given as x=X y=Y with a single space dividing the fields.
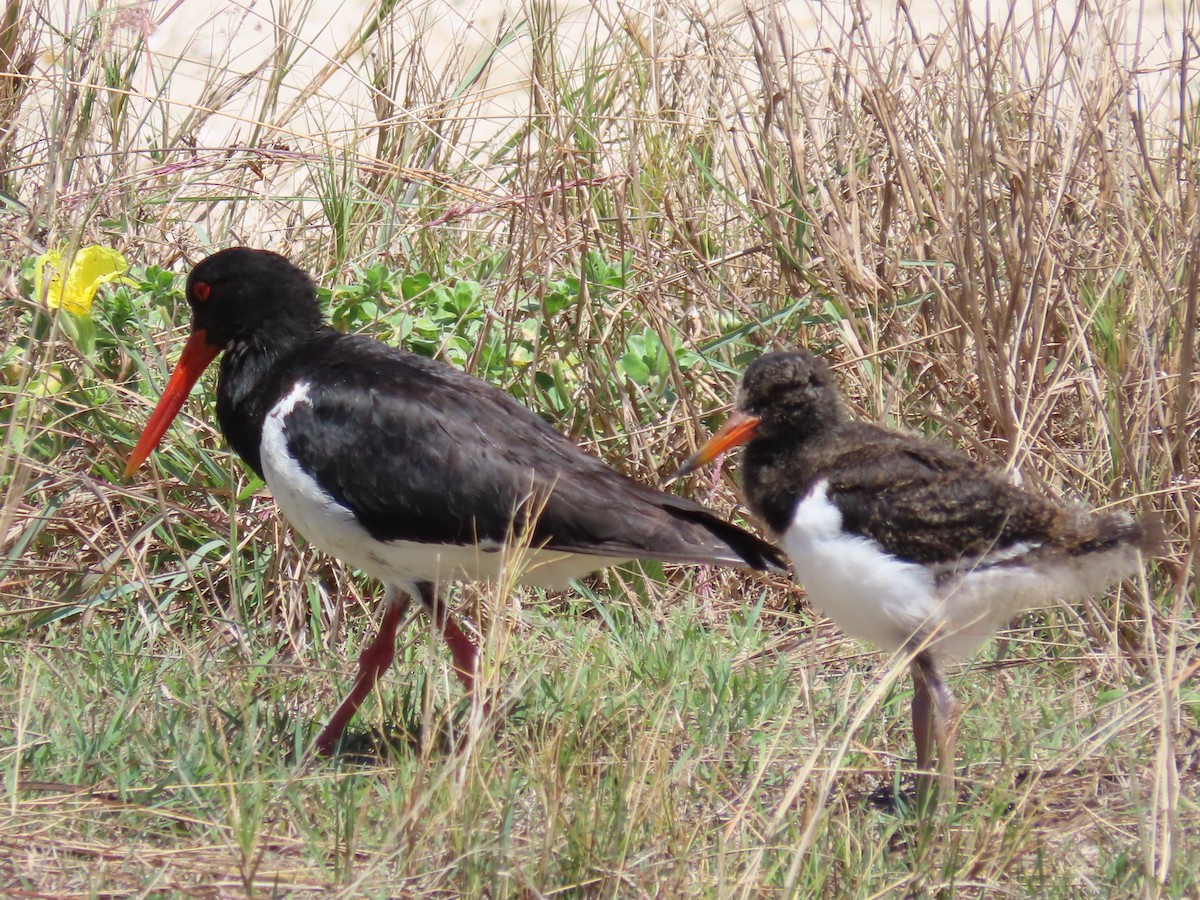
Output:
x=197 y=354
x=738 y=429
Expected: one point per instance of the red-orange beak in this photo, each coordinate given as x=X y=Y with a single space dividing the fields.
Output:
x=197 y=354
x=738 y=429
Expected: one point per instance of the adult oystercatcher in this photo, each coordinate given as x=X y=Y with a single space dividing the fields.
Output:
x=408 y=469
x=903 y=541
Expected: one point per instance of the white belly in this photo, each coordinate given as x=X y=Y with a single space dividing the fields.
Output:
x=333 y=528
x=870 y=594
x=875 y=596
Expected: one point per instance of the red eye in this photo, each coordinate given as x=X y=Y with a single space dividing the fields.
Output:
x=201 y=290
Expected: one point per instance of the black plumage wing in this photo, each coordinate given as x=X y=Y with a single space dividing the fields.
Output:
x=421 y=451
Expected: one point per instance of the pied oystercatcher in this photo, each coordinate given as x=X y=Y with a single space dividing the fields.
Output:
x=903 y=541
x=407 y=468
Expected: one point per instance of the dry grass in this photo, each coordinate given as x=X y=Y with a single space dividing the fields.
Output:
x=991 y=228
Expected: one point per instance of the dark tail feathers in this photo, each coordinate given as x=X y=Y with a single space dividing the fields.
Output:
x=754 y=551
x=1119 y=527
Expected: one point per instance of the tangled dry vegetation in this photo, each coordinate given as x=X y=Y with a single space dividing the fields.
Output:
x=991 y=228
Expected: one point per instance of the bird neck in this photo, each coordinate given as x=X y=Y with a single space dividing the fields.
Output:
x=777 y=470
x=254 y=372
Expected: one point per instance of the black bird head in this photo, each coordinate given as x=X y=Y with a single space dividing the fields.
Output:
x=789 y=395
x=238 y=295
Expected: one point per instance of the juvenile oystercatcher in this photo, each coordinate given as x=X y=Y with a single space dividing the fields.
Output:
x=408 y=469
x=903 y=541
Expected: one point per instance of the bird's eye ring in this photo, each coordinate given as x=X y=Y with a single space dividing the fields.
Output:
x=201 y=290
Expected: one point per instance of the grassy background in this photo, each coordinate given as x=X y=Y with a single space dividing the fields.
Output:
x=990 y=228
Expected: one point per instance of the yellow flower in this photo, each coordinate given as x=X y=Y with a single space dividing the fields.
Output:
x=91 y=267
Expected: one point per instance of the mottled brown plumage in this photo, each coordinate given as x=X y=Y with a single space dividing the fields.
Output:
x=920 y=500
x=902 y=540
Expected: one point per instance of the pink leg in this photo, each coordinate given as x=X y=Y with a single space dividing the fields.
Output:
x=923 y=727
x=373 y=662
x=935 y=725
x=463 y=648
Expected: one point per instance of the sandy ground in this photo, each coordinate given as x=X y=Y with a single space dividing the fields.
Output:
x=202 y=86
x=194 y=43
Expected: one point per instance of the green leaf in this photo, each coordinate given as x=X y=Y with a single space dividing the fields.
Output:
x=413 y=286
x=635 y=368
